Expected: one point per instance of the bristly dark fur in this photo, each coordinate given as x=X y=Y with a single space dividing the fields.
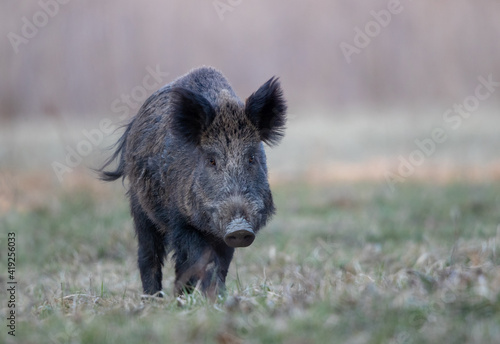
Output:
x=191 y=114
x=109 y=176
x=266 y=108
x=195 y=161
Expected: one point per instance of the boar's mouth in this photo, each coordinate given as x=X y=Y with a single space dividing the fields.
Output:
x=239 y=233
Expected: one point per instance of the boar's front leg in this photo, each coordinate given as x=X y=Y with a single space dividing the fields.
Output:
x=151 y=250
x=200 y=261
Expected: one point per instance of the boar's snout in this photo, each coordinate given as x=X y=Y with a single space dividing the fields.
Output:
x=239 y=233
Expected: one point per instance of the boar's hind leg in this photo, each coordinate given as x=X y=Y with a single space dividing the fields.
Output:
x=151 y=252
x=197 y=260
x=214 y=278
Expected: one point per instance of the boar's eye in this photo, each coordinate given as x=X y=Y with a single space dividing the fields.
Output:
x=251 y=159
x=212 y=162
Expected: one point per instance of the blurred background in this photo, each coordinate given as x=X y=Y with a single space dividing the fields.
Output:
x=363 y=80
x=386 y=183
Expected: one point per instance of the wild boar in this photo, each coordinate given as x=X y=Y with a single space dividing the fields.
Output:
x=198 y=186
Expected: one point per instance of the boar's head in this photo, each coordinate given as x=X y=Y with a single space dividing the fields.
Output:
x=229 y=195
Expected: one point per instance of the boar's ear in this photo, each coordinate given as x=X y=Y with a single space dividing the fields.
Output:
x=266 y=109
x=191 y=114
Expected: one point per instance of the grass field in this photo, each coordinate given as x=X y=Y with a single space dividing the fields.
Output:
x=338 y=264
x=345 y=260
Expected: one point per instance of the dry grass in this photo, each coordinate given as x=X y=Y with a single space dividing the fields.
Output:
x=339 y=263
x=345 y=260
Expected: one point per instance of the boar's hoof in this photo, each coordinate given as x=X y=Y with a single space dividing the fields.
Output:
x=239 y=233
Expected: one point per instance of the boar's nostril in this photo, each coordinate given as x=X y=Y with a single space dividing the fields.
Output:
x=239 y=233
x=239 y=238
